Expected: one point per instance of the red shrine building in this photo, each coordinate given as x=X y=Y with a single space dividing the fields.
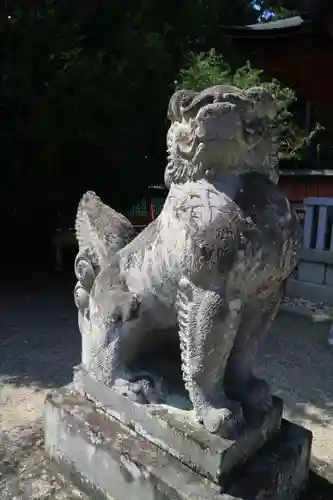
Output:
x=298 y=52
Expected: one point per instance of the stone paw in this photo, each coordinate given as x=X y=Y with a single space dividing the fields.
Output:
x=256 y=399
x=223 y=421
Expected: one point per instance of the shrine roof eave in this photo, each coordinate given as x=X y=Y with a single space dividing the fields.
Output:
x=274 y=29
x=301 y=172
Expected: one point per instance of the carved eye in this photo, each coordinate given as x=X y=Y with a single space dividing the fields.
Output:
x=186 y=100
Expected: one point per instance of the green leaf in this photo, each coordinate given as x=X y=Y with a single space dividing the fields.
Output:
x=207 y=69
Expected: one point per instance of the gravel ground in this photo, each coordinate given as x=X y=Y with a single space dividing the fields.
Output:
x=298 y=362
x=40 y=343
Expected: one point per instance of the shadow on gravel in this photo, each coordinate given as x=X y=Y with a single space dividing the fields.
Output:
x=40 y=343
x=39 y=338
x=298 y=362
x=318 y=488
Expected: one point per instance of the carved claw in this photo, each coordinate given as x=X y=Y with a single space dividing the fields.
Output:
x=218 y=420
x=223 y=421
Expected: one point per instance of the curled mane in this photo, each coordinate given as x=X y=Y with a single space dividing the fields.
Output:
x=221 y=129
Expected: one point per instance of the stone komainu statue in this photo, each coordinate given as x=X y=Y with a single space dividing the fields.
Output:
x=208 y=271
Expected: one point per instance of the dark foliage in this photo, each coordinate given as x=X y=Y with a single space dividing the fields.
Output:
x=84 y=88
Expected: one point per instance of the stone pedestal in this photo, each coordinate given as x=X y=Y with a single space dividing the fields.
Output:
x=115 y=449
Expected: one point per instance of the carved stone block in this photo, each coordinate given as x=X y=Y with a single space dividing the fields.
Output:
x=109 y=460
x=311 y=272
x=177 y=433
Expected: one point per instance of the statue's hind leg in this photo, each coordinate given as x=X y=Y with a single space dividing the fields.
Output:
x=207 y=328
x=240 y=382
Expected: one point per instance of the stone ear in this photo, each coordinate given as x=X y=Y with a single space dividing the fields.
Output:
x=179 y=100
x=264 y=104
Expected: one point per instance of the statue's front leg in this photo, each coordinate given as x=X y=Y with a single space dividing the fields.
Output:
x=207 y=328
x=241 y=383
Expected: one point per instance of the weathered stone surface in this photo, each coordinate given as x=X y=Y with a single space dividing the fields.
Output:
x=329 y=276
x=173 y=430
x=110 y=461
x=209 y=271
x=310 y=291
x=312 y=272
x=25 y=471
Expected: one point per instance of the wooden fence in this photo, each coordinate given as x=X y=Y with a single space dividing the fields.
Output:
x=318 y=223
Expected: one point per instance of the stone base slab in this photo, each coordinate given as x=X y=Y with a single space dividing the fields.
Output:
x=177 y=433
x=109 y=460
x=313 y=272
x=310 y=291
